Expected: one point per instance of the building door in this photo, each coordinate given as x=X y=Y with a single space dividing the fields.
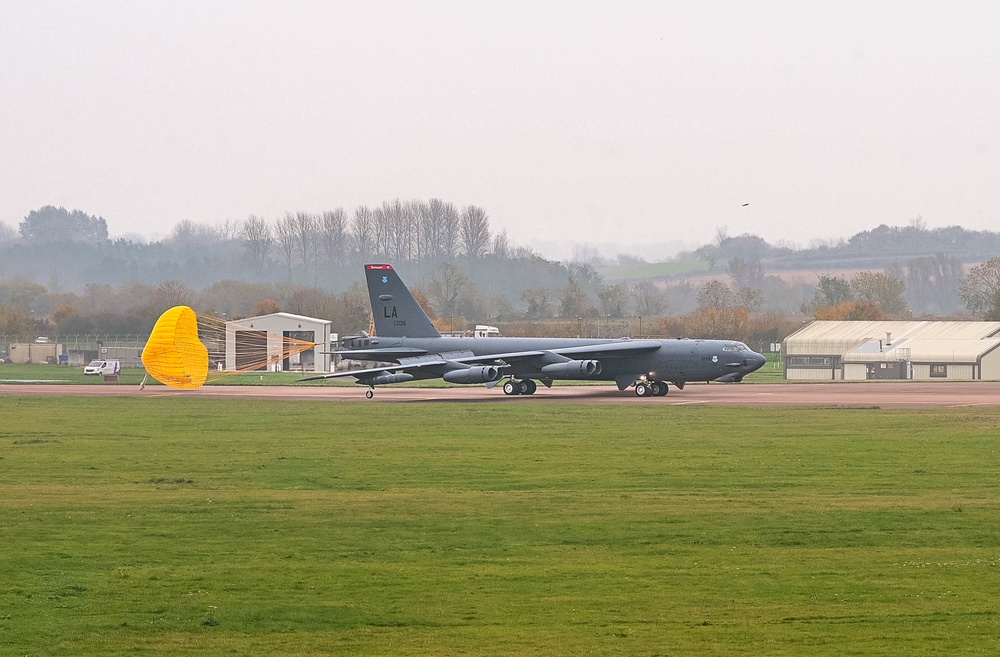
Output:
x=304 y=361
x=887 y=370
x=251 y=351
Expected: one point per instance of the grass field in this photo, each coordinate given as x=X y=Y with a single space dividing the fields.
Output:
x=155 y=526
x=617 y=273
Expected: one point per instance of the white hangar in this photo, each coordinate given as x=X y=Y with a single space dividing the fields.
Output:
x=275 y=342
x=929 y=350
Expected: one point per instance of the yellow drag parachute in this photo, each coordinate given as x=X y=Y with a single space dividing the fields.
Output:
x=174 y=355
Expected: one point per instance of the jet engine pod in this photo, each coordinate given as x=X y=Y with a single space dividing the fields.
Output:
x=383 y=379
x=478 y=374
x=574 y=369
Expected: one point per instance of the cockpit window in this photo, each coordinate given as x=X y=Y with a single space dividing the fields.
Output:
x=736 y=346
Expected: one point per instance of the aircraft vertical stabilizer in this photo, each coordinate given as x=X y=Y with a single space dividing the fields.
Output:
x=397 y=314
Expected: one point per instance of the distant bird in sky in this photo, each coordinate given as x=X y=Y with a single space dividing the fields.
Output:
x=745 y=204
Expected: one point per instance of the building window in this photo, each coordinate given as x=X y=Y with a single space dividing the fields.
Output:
x=813 y=361
x=939 y=370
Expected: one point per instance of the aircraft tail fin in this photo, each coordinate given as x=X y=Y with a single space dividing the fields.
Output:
x=396 y=313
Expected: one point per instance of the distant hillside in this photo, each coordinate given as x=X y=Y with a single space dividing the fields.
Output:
x=881 y=246
x=632 y=272
x=872 y=249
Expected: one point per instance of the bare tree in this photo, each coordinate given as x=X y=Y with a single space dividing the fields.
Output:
x=649 y=300
x=613 y=300
x=285 y=236
x=947 y=278
x=187 y=234
x=410 y=224
x=228 y=230
x=745 y=273
x=431 y=221
x=449 y=235
x=501 y=244
x=749 y=298
x=7 y=234
x=169 y=294
x=475 y=232
x=448 y=286
x=383 y=226
x=393 y=230
x=574 y=301
x=423 y=247
x=980 y=289
x=258 y=240
x=931 y=282
x=363 y=227
x=333 y=236
x=538 y=301
x=715 y=294
x=306 y=238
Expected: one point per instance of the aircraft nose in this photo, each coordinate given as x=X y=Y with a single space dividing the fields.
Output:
x=756 y=362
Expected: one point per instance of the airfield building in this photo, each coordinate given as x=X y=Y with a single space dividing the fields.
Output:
x=253 y=341
x=927 y=350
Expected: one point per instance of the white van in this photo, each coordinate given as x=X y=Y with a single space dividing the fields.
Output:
x=105 y=367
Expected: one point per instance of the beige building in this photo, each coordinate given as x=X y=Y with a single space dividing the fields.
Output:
x=35 y=352
x=929 y=350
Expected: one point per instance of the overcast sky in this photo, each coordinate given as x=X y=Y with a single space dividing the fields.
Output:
x=584 y=121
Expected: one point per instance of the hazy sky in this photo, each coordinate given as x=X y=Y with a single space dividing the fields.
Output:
x=584 y=121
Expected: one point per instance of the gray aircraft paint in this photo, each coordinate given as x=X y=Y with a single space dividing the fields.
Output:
x=405 y=335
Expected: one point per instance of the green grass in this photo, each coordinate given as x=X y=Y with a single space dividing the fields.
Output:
x=618 y=273
x=772 y=372
x=132 y=376
x=157 y=526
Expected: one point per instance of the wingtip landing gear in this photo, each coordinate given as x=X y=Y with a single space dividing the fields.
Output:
x=370 y=393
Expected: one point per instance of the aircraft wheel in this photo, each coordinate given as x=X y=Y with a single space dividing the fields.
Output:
x=528 y=387
x=641 y=390
x=657 y=388
x=511 y=388
x=369 y=393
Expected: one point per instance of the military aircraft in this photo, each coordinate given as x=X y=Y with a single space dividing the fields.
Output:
x=405 y=337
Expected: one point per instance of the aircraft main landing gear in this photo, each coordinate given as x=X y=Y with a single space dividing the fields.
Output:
x=650 y=388
x=515 y=387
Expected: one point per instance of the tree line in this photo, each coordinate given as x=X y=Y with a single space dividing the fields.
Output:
x=60 y=272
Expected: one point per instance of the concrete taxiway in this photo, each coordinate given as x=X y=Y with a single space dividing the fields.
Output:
x=881 y=394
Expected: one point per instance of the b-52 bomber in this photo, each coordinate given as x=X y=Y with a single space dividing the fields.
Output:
x=405 y=337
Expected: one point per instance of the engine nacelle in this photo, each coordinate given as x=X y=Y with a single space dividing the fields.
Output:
x=574 y=369
x=383 y=379
x=478 y=374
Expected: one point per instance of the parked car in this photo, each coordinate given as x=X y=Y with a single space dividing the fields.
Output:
x=42 y=340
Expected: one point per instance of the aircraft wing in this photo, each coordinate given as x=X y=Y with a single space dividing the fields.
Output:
x=411 y=359
x=383 y=354
x=605 y=350
x=377 y=370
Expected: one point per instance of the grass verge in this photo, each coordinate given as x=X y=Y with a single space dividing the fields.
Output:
x=166 y=526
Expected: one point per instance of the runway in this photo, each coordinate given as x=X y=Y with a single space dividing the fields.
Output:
x=881 y=394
